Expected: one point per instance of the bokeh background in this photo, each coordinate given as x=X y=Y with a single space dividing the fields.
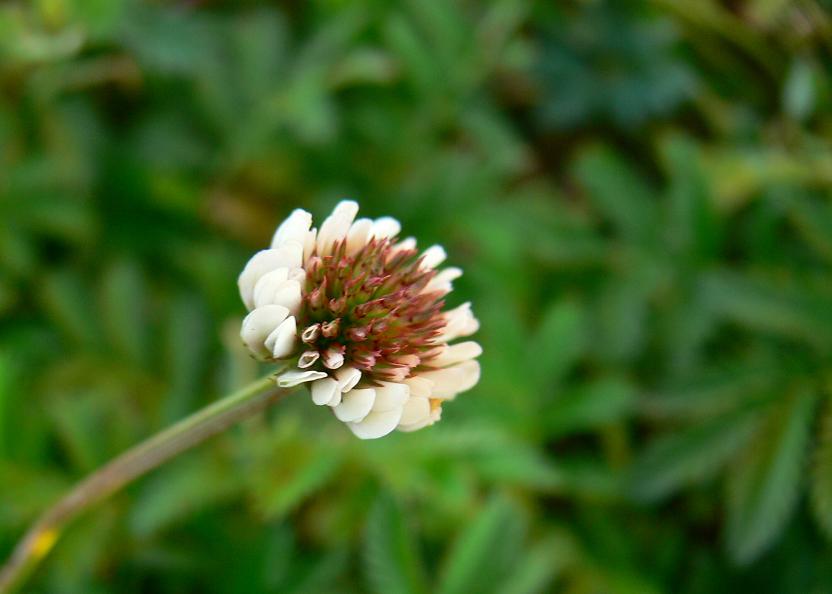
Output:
x=640 y=193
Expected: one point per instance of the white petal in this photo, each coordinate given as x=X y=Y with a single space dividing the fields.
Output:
x=385 y=227
x=323 y=390
x=376 y=424
x=405 y=244
x=355 y=404
x=294 y=228
x=259 y=324
x=460 y=321
x=415 y=410
x=434 y=415
x=293 y=377
x=336 y=397
x=452 y=380
x=336 y=225
x=287 y=255
x=347 y=378
x=443 y=281
x=265 y=288
x=456 y=353
x=297 y=274
x=415 y=426
x=289 y=296
x=449 y=274
x=433 y=256
x=390 y=395
x=309 y=243
x=286 y=293
x=281 y=342
x=357 y=236
x=419 y=386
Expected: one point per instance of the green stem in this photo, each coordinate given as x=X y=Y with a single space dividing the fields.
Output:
x=134 y=463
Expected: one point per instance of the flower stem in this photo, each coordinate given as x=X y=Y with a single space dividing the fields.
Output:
x=187 y=433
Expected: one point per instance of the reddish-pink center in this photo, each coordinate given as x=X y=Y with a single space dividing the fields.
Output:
x=371 y=308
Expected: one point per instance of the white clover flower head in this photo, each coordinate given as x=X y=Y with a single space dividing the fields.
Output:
x=358 y=314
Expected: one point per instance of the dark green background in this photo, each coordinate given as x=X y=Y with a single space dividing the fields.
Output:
x=640 y=194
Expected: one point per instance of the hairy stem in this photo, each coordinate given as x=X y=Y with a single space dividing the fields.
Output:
x=187 y=433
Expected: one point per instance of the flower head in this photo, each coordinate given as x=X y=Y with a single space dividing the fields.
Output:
x=359 y=315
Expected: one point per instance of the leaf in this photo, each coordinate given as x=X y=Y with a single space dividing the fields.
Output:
x=391 y=562
x=691 y=228
x=539 y=567
x=619 y=194
x=68 y=303
x=821 y=486
x=320 y=576
x=279 y=547
x=621 y=317
x=416 y=59
x=560 y=341
x=763 y=305
x=180 y=492
x=515 y=463
x=799 y=93
x=491 y=453
x=683 y=457
x=763 y=483
x=124 y=310
x=715 y=391
x=5 y=402
x=813 y=220
x=483 y=551
x=590 y=405
x=187 y=336
x=282 y=486
x=182 y=43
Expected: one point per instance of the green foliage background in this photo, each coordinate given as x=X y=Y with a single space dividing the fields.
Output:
x=640 y=194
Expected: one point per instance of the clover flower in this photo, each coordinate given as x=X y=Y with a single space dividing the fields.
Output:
x=359 y=316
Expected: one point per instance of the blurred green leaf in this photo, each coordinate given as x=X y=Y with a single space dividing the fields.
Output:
x=68 y=303
x=539 y=568
x=692 y=226
x=618 y=193
x=5 y=402
x=392 y=563
x=483 y=551
x=688 y=455
x=762 y=488
x=770 y=307
x=179 y=491
x=560 y=339
x=590 y=406
x=278 y=492
x=125 y=310
x=611 y=62
x=185 y=354
x=799 y=90
x=821 y=486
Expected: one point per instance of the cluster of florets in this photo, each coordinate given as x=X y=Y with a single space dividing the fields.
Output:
x=360 y=316
x=372 y=309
